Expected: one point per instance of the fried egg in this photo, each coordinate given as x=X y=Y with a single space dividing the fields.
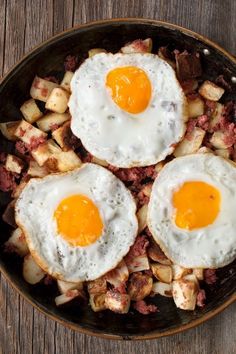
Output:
x=78 y=225
x=191 y=213
x=127 y=109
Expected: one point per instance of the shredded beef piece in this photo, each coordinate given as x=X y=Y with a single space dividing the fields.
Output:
x=9 y=214
x=203 y=122
x=134 y=174
x=35 y=142
x=166 y=53
x=21 y=147
x=192 y=95
x=201 y=298
x=190 y=127
x=139 y=247
x=48 y=280
x=69 y=139
x=230 y=111
x=188 y=66
x=7 y=180
x=52 y=79
x=143 y=308
x=210 y=276
x=210 y=107
x=54 y=127
x=142 y=198
x=220 y=80
x=70 y=63
x=121 y=288
x=3 y=157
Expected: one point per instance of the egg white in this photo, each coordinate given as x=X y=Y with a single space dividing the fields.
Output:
x=213 y=246
x=35 y=210
x=114 y=135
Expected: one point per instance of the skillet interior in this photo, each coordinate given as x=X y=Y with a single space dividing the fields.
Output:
x=14 y=90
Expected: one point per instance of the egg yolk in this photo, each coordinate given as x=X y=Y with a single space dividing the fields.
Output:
x=78 y=220
x=196 y=204
x=130 y=88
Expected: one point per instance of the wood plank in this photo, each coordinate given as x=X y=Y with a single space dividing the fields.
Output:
x=2 y=33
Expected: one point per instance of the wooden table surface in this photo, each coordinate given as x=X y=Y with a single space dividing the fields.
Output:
x=24 y=24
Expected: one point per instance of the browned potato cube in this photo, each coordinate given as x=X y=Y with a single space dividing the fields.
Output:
x=58 y=100
x=99 y=161
x=117 y=302
x=97 y=302
x=218 y=140
x=26 y=132
x=156 y=254
x=41 y=89
x=65 y=84
x=67 y=297
x=223 y=153
x=138 y=46
x=162 y=289
x=159 y=166
x=118 y=275
x=142 y=218
x=162 y=272
x=97 y=286
x=30 y=111
x=8 y=129
x=63 y=161
x=179 y=272
x=95 y=51
x=45 y=151
x=216 y=116
x=192 y=144
x=17 y=243
x=140 y=286
x=19 y=188
x=185 y=294
x=211 y=91
x=204 y=150
x=32 y=273
x=199 y=273
x=51 y=120
x=137 y=264
x=35 y=170
x=14 y=164
x=64 y=286
x=195 y=107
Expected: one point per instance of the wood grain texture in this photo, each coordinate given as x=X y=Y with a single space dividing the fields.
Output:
x=25 y=23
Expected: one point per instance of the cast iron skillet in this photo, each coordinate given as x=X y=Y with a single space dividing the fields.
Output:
x=14 y=89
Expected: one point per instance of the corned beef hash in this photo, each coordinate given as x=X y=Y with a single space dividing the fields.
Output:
x=121 y=179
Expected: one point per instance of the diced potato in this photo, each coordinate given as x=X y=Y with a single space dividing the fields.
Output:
x=51 y=119
x=35 y=170
x=117 y=302
x=8 y=129
x=142 y=218
x=156 y=254
x=99 y=161
x=67 y=297
x=95 y=51
x=9 y=214
x=64 y=286
x=211 y=91
x=223 y=153
x=199 y=273
x=147 y=190
x=26 y=132
x=17 y=243
x=65 y=84
x=185 y=294
x=192 y=144
x=159 y=166
x=14 y=164
x=58 y=100
x=137 y=264
x=140 y=286
x=41 y=89
x=138 y=46
x=63 y=161
x=204 y=150
x=162 y=289
x=179 y=272
x=97 y=286
x=30 y=111
x=216 y=116
x=192 y=277
x=32 y=273
x=45 y=151
x=162 y=272
x=118 y=275
x=195 y=107
x=218 y=140
x=97 y=302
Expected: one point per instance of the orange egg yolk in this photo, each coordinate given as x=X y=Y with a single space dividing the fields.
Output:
x=196 y=204
x=130 y=88
x=78 y=220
